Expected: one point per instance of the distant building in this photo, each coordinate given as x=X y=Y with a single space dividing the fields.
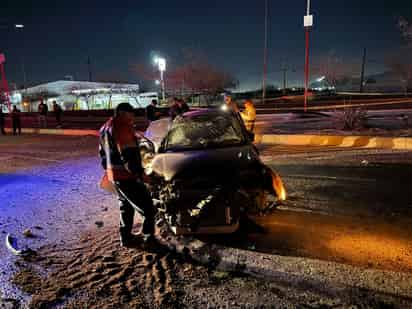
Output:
x=80 y=95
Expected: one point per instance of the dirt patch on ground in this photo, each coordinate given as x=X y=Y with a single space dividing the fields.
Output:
x=29 y=280
x=96 y=272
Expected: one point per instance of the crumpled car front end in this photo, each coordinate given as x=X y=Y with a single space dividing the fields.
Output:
x=204 y=171
x=206 y=191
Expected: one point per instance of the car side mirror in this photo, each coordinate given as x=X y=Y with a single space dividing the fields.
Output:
x=147 y=146
x=147 y=151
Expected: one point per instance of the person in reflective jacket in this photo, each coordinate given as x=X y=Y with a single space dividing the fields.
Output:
x=121 y=160
x=230 y=104
x=249 y=115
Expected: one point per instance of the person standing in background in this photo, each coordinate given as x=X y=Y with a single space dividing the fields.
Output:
x=42 y=110
x=2 y=131
x=58 y=111
x=15 y=117
x=152 y=113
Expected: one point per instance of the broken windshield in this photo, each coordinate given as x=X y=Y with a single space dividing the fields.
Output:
x=204 y=131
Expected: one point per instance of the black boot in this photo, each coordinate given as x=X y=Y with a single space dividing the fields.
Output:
x=131 y=241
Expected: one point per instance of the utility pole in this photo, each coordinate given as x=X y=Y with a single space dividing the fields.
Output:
x=307 y=23
x=89 y=68
x=23 y=67
x=265 y=49
x=363 y=71
x=20 y=28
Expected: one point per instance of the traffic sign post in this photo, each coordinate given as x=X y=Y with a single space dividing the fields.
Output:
x=4 y=87
x=307 y=23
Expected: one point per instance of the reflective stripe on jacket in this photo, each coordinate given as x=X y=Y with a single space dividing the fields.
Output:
x=119 y=151
x=249 y=117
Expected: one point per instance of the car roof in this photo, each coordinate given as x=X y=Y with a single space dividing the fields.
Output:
x=205 y=111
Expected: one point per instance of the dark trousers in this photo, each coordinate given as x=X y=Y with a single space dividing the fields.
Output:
x=58 y=119
x=16 y=126
x=133 y=196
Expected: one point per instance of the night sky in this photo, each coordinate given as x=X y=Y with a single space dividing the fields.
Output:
x=60 y=35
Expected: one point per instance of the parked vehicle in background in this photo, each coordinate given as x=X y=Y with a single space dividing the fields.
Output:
x=145 y=98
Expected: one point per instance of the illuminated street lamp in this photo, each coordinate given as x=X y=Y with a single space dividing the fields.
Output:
x=161 y=65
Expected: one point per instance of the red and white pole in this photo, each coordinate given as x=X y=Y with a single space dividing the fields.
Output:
x=308 y=23
x=265 y=54
x=306 y=69
x=4 y=88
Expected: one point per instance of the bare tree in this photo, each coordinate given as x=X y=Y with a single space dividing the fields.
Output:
x=400 y=62
x=334 y=69
x=406 y=29
x=194 y=76
x=402 y=67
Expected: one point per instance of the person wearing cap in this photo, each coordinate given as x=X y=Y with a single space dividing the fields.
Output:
x=178 y=108
x=120 y=158
x=152 y=114
x=249 y=115
x=42 y=110
x=230 y=104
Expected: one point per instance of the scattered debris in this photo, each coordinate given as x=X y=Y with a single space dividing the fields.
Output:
x=28 y=233
x=99 y=224
x=11 y=244
x=220 y=275
x=252 y=247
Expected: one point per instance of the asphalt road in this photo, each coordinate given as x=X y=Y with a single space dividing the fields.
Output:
x=344 y=205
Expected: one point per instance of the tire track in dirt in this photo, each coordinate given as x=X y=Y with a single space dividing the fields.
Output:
x=98 y=273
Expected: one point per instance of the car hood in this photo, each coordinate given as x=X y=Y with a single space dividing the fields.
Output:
x=221 y=161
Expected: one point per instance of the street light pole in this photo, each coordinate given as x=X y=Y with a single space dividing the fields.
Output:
x=163 y=84
x=363 y=71
x=265 y=48
x=308 y=23
x=161 y=65
x=20 y=27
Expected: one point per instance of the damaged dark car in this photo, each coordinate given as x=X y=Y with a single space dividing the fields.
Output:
x=203 y=171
